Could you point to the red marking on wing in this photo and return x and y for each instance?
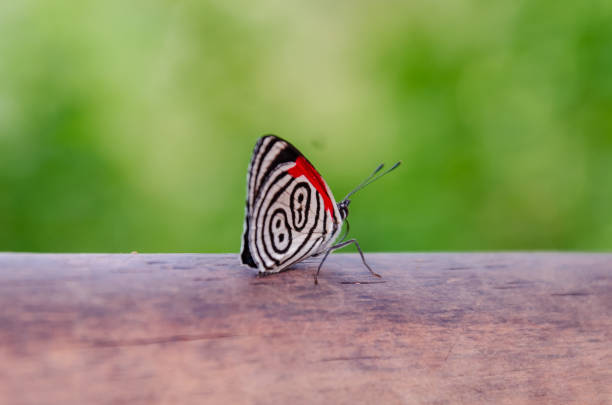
(303, 167)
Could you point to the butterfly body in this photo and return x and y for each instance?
(291, 213)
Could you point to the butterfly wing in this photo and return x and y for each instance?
(291, 213)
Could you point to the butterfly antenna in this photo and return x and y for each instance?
(363, 183)
(372, 178)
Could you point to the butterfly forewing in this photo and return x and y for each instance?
(290, 212)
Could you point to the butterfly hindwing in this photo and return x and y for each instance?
(290, 212)
(269, 152)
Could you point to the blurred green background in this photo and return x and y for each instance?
(129, 125)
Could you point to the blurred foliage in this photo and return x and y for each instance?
(129, 125)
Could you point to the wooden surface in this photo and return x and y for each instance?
(197, 329)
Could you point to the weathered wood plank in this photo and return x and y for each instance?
(194, 328)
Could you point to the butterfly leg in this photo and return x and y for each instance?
(348, 242)
(339, 246)
(345, 232)
(336, 246)
(316, 276)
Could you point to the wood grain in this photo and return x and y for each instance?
(195, 328)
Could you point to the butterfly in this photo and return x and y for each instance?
(291, 213)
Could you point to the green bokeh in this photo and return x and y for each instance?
(129, 125)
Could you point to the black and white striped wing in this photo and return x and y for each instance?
(290, 211)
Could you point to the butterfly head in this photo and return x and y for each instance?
(343, 208)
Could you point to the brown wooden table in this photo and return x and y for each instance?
(510, 328)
